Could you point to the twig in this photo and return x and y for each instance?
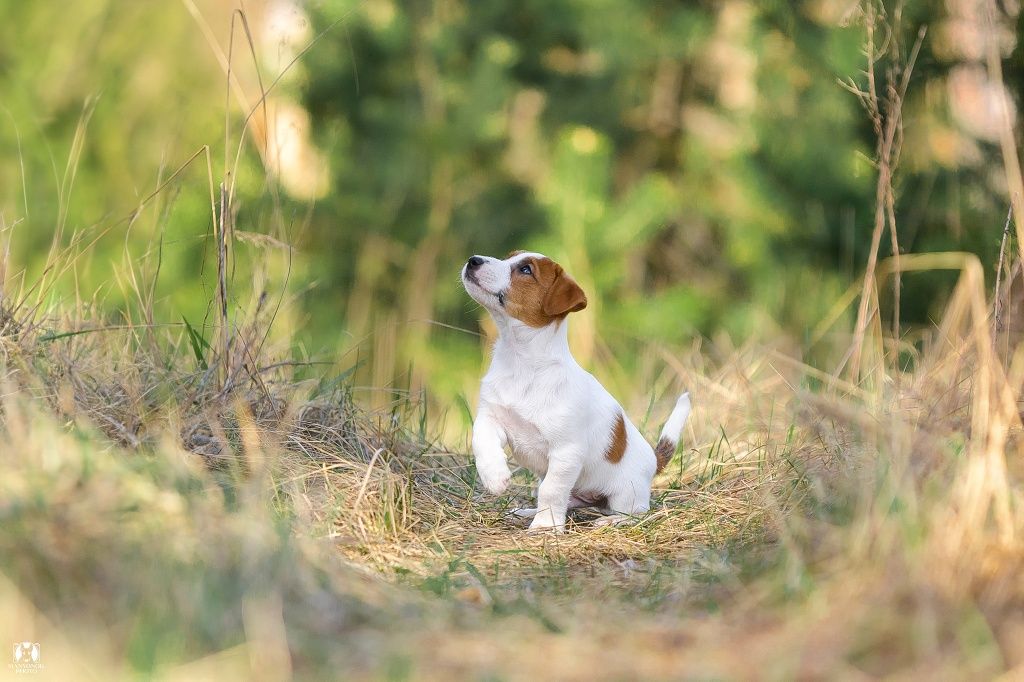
(887, 120)
(1007, 141)
(997, 306)
(222, 279)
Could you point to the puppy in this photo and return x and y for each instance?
(555, 418)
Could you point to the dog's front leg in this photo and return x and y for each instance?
(489, 441)
(553, 495)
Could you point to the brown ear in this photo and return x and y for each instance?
(513, 254)
(564, 296)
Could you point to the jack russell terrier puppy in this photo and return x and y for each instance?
(555, 418)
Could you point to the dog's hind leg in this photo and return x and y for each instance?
(624, 506)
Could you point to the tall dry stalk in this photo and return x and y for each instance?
(886, 114)
(1007, 138)
(220, 231)
(999, 295)
(1012, 171)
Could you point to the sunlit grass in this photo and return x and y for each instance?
(152, 520)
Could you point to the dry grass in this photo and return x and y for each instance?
(271, 527)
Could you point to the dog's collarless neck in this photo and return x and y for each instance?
(525, 343)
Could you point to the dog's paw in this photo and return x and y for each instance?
(495, 479)
(543, 523)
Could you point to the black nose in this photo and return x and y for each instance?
(474, 262)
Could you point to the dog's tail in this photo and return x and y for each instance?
(669, 439)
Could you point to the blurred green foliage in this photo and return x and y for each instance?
(695, 164)
(99, 103)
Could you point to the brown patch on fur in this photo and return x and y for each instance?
(613, 453)
(663, 452)
(513, 254)
(546, 295)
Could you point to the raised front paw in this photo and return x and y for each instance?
(495, 478)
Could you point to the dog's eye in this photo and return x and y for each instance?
(526, 269)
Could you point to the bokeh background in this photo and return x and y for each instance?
(697, 166)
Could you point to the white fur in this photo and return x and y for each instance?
(555, 418)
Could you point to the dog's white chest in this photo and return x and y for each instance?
(528, 444)
(532, 409)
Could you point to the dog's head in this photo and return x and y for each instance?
(528, 287)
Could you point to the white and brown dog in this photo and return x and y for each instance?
(556, 419)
